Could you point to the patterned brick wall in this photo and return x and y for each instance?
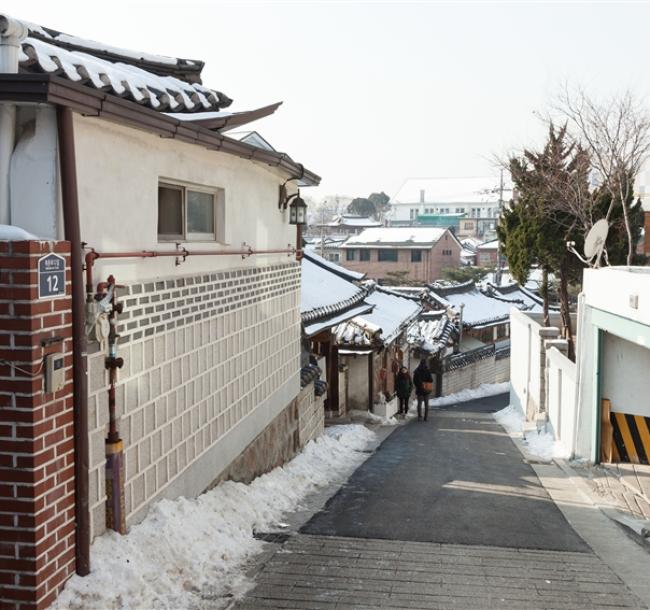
(37, 513)
(201, 354)
(311, 415)
(470, 376)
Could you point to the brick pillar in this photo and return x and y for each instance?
(37, 503)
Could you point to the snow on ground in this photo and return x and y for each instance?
(538, 443)
(484, 390)
(372, 418)
(190, 551)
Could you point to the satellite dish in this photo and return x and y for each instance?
(595, 240)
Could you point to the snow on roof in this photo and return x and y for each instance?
(162, 83)
(390, 315)
(483, 189)
(92, 45)
(520, 297)
(323, 291)
(488, 306)
(403, 236)
(124, 80)
(432, 336)
(470, 243)
(479, 308)
(313, 328)
(251, 137)
(333, 267)
(354, 221)
(493, 244)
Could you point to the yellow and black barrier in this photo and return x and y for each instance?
(631, 438)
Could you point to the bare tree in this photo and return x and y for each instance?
(616, 133)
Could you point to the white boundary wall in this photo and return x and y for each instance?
(561, 397)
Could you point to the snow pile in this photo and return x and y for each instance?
(187, 551)
(371, 418)
(538, 443)
(512, 419)
(483, 391)
(13, 233)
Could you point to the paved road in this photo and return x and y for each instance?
(490, 404)
(456, 478)
(446, 514)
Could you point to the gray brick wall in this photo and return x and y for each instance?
(468, 377)
(201, 353)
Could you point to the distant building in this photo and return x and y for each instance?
(421, 252)
(471, 205)
(343, 225)
(487, 254)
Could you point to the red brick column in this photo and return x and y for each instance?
(37, 503)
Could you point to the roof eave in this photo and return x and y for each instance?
(47, 88)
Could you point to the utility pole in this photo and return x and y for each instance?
(322, 232)
(497, 275)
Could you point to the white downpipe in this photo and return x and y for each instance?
(12, 33)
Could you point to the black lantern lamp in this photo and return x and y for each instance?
(297, 210)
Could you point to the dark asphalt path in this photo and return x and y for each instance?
(490, 404)
(457, 478)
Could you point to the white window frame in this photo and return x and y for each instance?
(219, 211)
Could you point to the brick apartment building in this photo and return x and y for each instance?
(421, 252)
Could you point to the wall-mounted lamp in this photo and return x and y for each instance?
(297, 210)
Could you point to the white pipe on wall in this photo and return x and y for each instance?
(12, 33)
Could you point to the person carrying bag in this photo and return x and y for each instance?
(403, 389)
(423, 380)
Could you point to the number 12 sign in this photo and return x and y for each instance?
(51, 276)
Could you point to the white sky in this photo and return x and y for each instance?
(378, 92)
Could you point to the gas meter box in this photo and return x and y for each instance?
(54, 373)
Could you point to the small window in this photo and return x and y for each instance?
(190, 214)
(364, 255)
(416, 256)
(349, 255)
(387, 256)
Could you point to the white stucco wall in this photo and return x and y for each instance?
(623, 295)
(33, 180)
(561, 393)
(611, 289)
(118, 172)
(524, 361)
(357, 382)
(625, 371)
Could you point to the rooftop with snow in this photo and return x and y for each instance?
(396, 236)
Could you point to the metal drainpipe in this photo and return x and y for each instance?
(12, 33)
(72, 231)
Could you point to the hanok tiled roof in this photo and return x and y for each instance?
(162, 83)
(391, 315)
(433, 336)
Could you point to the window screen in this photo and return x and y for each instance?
(170, 211)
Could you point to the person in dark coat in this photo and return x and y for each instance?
(403, 389)
(423, 381)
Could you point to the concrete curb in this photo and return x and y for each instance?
(625, 557)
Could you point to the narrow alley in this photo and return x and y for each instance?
(446, 514)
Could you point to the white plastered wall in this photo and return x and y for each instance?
(118, 171)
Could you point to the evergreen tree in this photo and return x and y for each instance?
(553, 187)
